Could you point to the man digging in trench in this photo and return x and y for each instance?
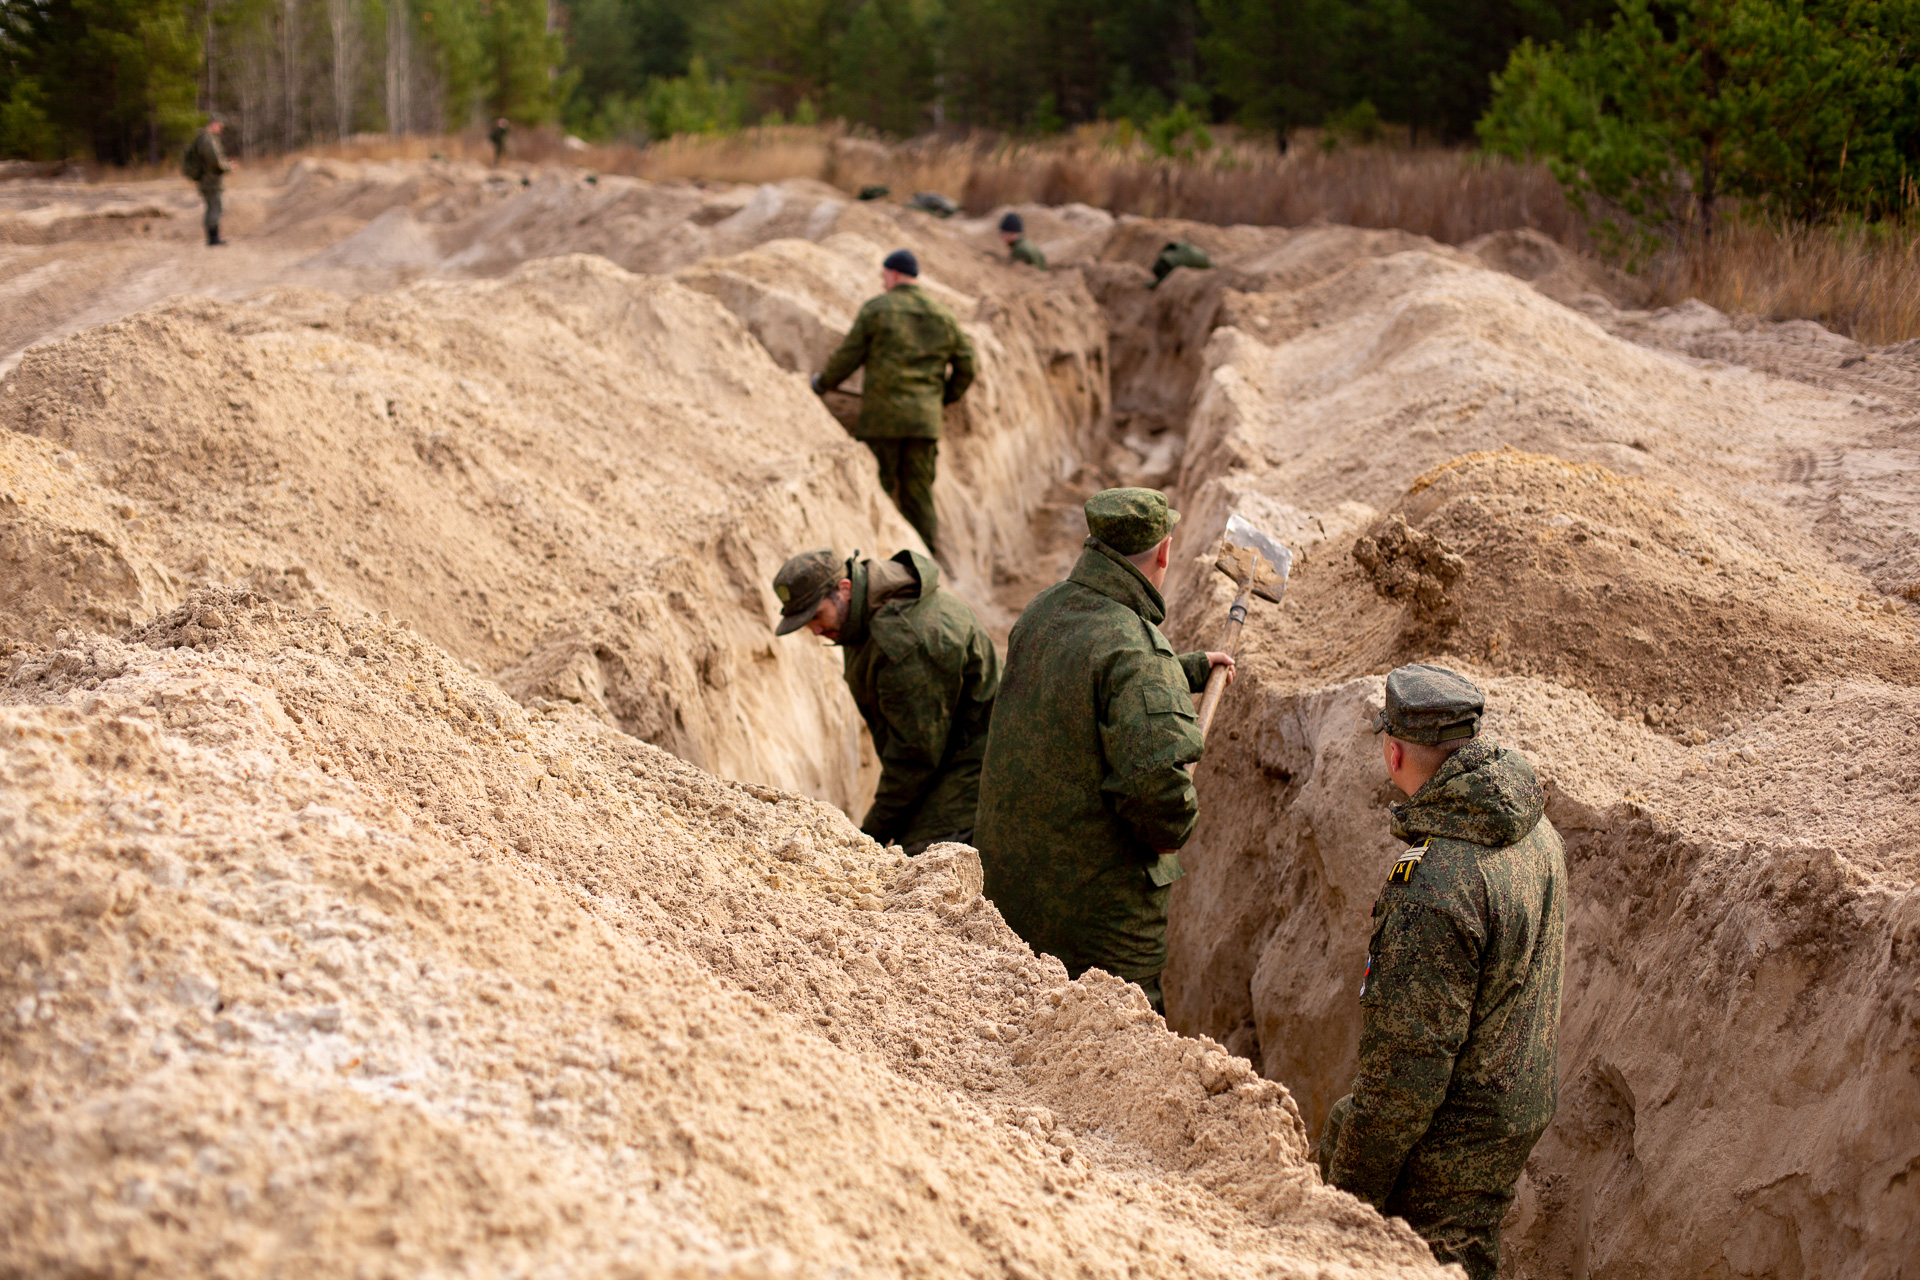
(923, 673)
(918, 360)
(1460, 1005)
(1087, 792)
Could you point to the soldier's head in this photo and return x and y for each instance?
(215, 125)
(901, 267)
(1138, 524)
(814, 592)
(1430, 713)
(1012, 228)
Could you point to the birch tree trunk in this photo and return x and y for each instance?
(290, 70)
(399, 69)
(343, 17)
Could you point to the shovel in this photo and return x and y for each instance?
(1258, 566)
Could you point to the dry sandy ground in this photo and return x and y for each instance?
(353, 924)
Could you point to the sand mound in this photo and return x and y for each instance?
(579, 477)
(1653, 601)
(1600, 533)
(333, 959)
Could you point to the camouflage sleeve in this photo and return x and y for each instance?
(850, 355)
(1150, 735)
(962, 360)
(1423, 971)
(1197, 669)
(918, 708)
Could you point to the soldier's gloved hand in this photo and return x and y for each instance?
(817, 388)
(947, 393)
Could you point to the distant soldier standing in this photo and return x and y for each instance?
(1460, 1005)
(498, 137)
(917, 359)
(923, 673)
(206, 166)
(1087, 789)
(1013, 234)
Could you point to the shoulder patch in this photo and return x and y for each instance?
(1409, 863)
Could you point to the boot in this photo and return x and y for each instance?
(213, 236)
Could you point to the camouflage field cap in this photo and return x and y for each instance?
(1130, 520)
(1430, 705)
(802, 583)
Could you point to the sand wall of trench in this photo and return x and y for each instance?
(574, 478)
(1741, 971)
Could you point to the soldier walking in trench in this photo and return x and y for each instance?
(1087, 788)
(1460, 1004)
(917, 360)
(924, 674)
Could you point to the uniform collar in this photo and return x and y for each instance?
(1105, 570)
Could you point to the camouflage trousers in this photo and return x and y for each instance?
(211, 219)
(1453, 1194)
(906, 473)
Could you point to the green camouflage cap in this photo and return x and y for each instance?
(802, 583)
(1130, 520)
(1430, 705)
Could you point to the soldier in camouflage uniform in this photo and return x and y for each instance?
(1178, 253)
(1087, 790)
(923, 673)
(498, 137)
(1013, 234)
(917, 359)
(206, 166)
(1460, 1005)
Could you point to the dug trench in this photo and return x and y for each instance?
(340, 941)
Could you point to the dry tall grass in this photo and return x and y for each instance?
(1860, 281)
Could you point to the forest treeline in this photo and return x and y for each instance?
(1651, 110)
(128, 80)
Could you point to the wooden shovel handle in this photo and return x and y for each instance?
(1217, 678)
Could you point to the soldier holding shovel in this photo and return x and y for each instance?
(1086, 792)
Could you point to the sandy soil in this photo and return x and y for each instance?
(385, 600)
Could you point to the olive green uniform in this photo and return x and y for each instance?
(498, 137)
(924, 674)
(1025, 250)
(1460, 1009)
(206, 165)
(1176, 254)
(1086, 776)
(917, 359)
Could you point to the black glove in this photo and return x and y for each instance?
(947, 394)
(817, 388)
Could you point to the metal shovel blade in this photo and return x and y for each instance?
(1279, 560)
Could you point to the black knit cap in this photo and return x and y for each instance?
(903, 261)
(1013, 223)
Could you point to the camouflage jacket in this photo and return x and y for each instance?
(924, 674)
(205, 162)
(1086, 773)
(906, 340)
(1460, 1009)
(1025, 250)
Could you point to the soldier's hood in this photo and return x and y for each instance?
(1485, 794)
(874, 583)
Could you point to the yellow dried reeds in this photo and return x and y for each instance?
(1857, 280)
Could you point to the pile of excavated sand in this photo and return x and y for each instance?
(793, 260)
(577, 478)
(320, 955)
(1611, 540)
